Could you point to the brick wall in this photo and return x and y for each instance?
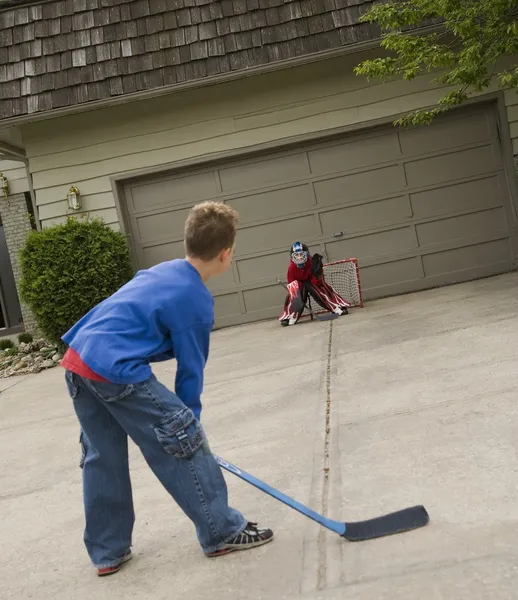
(17, 224)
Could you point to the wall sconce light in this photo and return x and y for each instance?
(4, 185)
(74, 198)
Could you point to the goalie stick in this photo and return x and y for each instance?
(357, 531)
(328, 317)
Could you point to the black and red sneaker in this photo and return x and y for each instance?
(103, 571)
(250, 537)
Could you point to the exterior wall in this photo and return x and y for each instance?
(16, 227)
(511, 102)
(16, 175)
(85, 150)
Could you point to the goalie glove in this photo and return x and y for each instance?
(317, 266)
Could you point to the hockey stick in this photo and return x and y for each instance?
(328, 317)
(358, 531)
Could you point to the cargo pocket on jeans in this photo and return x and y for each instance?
(180, 433)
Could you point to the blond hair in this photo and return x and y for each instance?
(210, 228)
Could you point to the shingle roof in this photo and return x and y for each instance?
(61, 53)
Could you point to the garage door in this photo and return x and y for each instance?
(419, 208)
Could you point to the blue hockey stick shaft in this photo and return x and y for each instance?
(335, 526)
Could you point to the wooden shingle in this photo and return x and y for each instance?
(125, 14)
(158, 7)
(216, 11)
(195, 15)
(116, 86)
(216, 47)
(207, 31)
(234, 24)
(169, 75)
(65, 52)
(152, 44)
(6, 19)
(139, 9)
(191, 34)
(205, 14)
(170, 20)
(183, 17)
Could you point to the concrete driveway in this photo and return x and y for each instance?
(410, 400)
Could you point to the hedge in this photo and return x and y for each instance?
(68, 269)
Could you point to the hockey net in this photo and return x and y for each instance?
(344, 277)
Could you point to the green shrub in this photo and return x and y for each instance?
(67, 269)
(25, 338)
(6, 343)
(11, 351)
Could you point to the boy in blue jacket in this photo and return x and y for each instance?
(163, 312)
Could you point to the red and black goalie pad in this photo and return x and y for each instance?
(294, 303)
(325, 295)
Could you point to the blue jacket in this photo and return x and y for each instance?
(164, 312)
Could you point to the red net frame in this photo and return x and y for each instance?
(344, 277)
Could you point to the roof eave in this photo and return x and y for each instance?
(11, 152)
(189, 85)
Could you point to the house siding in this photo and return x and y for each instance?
(16, 176)
(86, 150)
(511, 102)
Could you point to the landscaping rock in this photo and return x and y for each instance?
(31, 358)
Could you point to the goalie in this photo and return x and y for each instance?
(306, 278)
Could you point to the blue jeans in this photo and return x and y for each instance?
(175, 447)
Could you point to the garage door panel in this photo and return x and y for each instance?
(264, 297)
(275, 235)
(226, 305)
(354, 154)
(174, 191)
(360, 186)
(274, 203)
(468, 257)
(163, 225)
(375, 244)
(256, 269)
(445, 135)
(257, 174)
(221, 281)
(391, 273)
(471, 195)
(450, 167)
(479, 225)
(366, 216)
(152, 255)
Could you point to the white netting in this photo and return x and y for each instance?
(343, 276)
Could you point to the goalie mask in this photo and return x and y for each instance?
(299, 254)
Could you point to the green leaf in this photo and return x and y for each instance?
(472, 37)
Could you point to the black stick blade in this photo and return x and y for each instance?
(396, 522)
(327, 317)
